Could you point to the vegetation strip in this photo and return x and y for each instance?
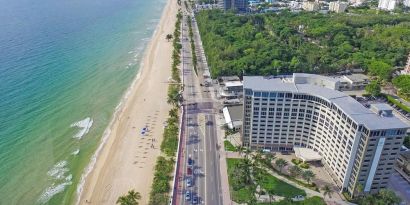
(191, 37)
(269, 44)
(160, 189)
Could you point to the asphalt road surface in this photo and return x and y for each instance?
(200, 142)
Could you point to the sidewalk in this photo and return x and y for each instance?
(226, 195)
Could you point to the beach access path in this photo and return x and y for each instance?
(127, 159)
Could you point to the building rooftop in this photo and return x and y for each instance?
(406, 155)
(233, 83)
(350, 106)
(356, 78)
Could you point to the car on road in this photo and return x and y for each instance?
(188, 182)
(195, 199)
(188, 195)
(189, 171)
(190, 161)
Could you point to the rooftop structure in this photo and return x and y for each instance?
(358, 145)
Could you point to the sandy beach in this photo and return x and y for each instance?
(127, 159)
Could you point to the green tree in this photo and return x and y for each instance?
(280, 163)
(130, 199)
(389, 197)
(380, 69)
(168, 37)
(373, 88)
(308, 175)
(327, 191)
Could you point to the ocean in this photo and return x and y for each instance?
(64, 68)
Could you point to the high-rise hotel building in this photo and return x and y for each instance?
(357, 144)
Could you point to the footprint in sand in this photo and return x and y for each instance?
(135, 162)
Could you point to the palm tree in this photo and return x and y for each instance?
(280, 163)
(308, 175)
(168, 37)
(359, 189)
(327, 191)
(295, 171)
(130, 199)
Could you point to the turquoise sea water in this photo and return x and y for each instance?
(64, 67)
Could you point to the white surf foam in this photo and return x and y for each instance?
(58, 170)
(84, 126)
(60, 181)
(75, 152)
(52, 190)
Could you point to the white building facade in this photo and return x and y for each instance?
(303, 110)
(387, 5)
(337, 6)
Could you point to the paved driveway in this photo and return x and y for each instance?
(400, 186)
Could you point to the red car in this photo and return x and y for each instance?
(189, 171)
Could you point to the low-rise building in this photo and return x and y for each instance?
(310, 6)
(337, 6)
(233, 116)
(403, 165)
(231, 89)
(355, 81)
(387, 5)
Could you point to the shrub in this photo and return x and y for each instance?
(304, 165)
(296, 161)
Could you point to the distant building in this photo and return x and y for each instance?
(406, 3)
(237, 5)
(357, 2)
(310, 6)
(357, 145)
(387, 5)
(337, 6)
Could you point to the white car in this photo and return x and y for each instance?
(188, 182)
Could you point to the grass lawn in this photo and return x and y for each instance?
(279, 187)
(242, 195)
(229, 146)
(309, 201)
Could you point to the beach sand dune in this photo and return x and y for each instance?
(127, 160)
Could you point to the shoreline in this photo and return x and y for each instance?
(102, 174)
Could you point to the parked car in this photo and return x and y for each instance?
(195, 199)
(188, 195)
(189, 171)
(188, 182)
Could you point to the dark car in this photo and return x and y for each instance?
(189, 171)
(190, 161)
(195, 199)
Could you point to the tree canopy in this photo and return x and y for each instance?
(266, 44)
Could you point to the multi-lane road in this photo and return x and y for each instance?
(199, 136)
